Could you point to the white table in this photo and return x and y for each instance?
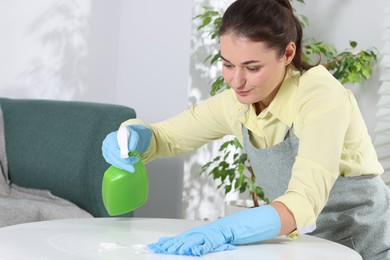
(126, 238)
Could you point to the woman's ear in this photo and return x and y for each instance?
(289, 53)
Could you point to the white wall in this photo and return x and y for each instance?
(43, 48)
(153, 72)
(134, 53)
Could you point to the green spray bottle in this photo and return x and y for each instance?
(124, 191)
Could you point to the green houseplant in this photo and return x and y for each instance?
(231, 165)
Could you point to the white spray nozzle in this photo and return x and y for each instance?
(123, 141)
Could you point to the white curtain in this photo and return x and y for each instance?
(382, 141)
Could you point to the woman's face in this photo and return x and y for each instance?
(253, 70)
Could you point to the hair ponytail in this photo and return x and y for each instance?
(297, 61)
(285, 3)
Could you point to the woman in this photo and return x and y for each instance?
(303, 133)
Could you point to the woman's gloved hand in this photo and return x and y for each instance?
(138, 139)
(247, 226)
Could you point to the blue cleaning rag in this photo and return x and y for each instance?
(193, 251)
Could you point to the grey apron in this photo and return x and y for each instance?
(357, 213)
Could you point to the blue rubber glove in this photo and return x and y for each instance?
(247, 226)
(139, 140)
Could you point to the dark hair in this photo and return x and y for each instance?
(269, 21)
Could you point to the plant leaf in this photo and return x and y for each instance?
(353, 44)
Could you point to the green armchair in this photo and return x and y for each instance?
(56, 146)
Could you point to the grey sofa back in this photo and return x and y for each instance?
(56, 146)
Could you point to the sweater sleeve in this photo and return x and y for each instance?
(189, 130)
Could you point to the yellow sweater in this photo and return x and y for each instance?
(333, 138)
